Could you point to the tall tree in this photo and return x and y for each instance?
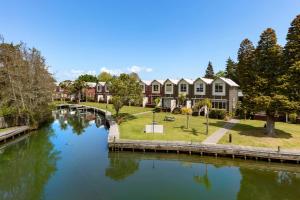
(209, 73)
(292, 47)
(290, 80)
(231, 70)
(245, 65)
(104, 77)
(135, 76)
(28, 102)
(262, 89)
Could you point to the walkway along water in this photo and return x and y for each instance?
(234, 151)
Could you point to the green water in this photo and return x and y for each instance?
(68, 159)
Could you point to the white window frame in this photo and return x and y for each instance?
(197, 85)
(186, 87)
(217, 93)
(158, 86)
(171, 87)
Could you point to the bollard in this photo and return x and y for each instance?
(278, 148)
(230, 138)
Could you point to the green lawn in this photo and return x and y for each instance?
(252, 133)
(125, 109)
(134, 128)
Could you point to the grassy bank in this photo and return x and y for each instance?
(133, 128)
(252, 133)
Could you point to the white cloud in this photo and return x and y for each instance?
(74, 73)
(138, 69)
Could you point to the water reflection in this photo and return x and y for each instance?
(69, 160)
(265, 185)
(78, 120)
(26, 168)
(121, 167)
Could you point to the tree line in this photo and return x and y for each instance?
(268, 74)
(26, 85)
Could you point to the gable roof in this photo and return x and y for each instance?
(101, 83)
(229, 82)
(90, 84)
(205, 80)
(146, 82)
(174, 81)
(189, 81)
(159, 81)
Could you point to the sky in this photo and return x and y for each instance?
(158, 39)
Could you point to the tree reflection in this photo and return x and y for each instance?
(27, 166)
(265, 185)
(121, 167)
(78, 123)
(204, 179)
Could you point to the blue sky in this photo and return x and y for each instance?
(157, 38)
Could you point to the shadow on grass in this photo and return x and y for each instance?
(190, 130)
(249, 130)
(124, 117)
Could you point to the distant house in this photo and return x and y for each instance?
(224, 94)
(156, 91)
(90, 91)
(202, 89)
(146, 91)
(102, 92)
(170, 92)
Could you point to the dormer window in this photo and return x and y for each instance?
(168, 87)
(218, 87)
(200, 87)
(183, 87)
(155, 88)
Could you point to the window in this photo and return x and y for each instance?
(168, 87)
(219, 105)
(219, 87)
(200, 87)
(155, 88)
(183, 88)
(99, 88)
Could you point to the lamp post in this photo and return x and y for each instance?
(153, 120)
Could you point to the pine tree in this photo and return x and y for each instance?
(290, 80)
(245, 65)
(231, 70)
(262, 91)
(209, 73)
(292, 47)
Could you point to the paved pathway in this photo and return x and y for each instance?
(141, 113)
(216, 136)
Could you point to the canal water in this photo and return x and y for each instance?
(68, 159)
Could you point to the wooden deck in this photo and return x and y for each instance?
(13, 133)
(216, 150)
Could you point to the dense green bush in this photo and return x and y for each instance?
(217, 114)
(293, 118)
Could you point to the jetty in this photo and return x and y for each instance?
(13, 133)
(201, 149)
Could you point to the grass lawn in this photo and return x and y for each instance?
(251, 133)
(125, 109)
(134, 128)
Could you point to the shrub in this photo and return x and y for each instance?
(217, 114)
(176, 111)
(293, 118)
